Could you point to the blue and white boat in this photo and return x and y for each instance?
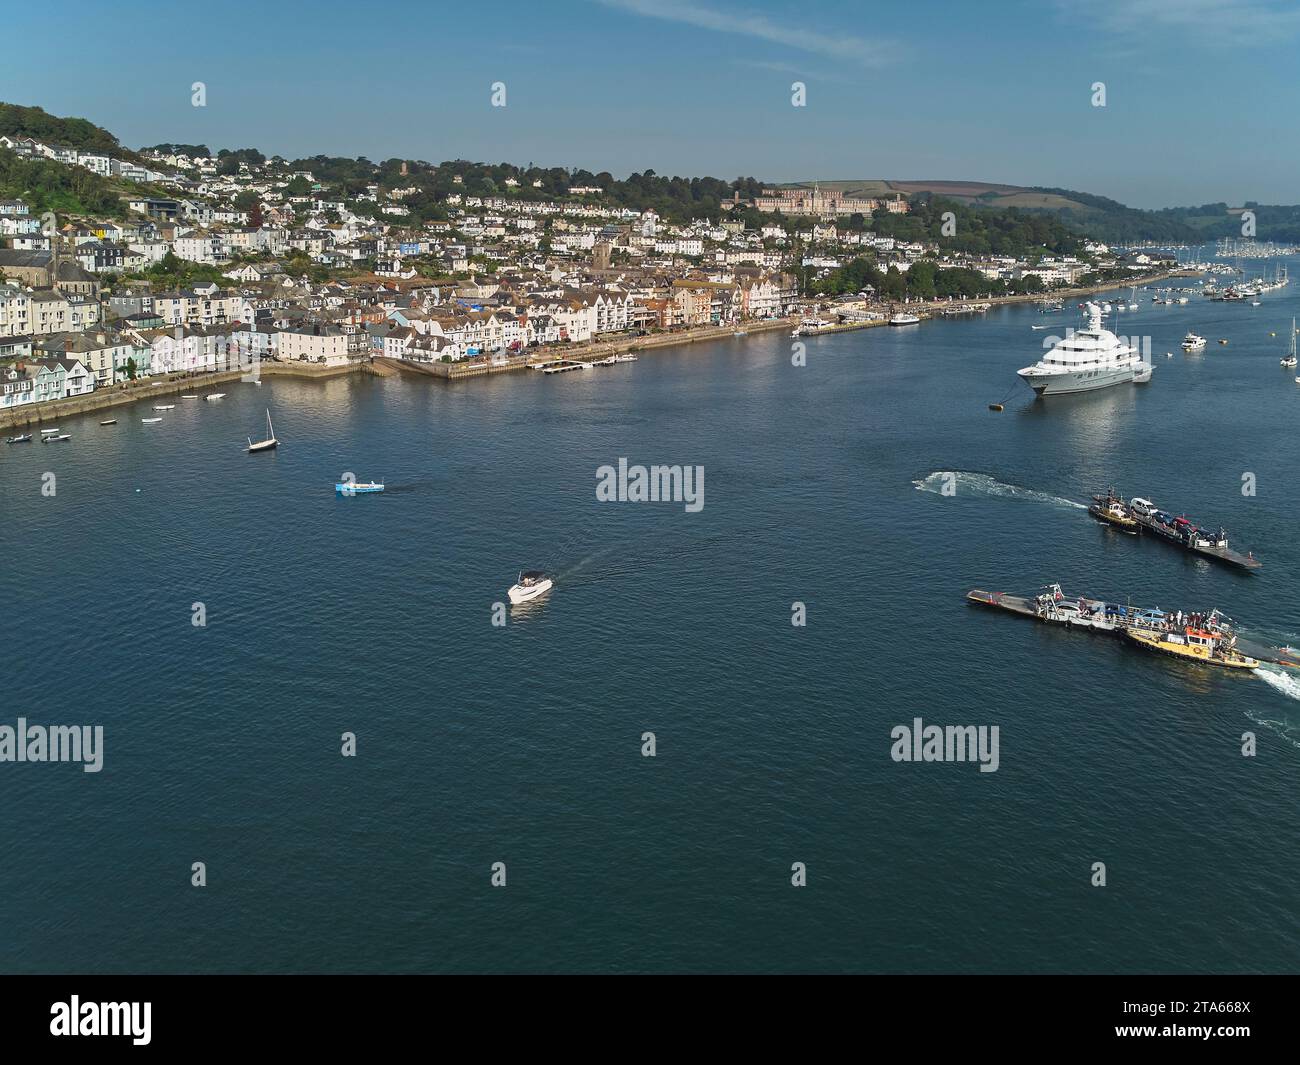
(353, 488)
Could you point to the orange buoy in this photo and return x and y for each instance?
(995, 406)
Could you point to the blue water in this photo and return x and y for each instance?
(522, 744)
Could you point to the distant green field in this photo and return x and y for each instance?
(964, 191)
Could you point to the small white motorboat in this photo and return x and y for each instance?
(50, 432)
(189, 397)
(215, 396)
(56, 439)
(164, 406)
(532, 583)
(150, 421)
(625, 357)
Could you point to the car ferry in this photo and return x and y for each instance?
(1180, 531)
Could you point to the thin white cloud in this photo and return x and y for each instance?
(759, 26)
(1213, 21)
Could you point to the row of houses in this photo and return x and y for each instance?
(96, 162)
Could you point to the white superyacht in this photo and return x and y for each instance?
(1090, 358)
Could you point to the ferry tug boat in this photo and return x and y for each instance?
(1088, 359)
(1192, 342)
(1186, 534)
(1112, 510)
(1208, 644)
(532, 583)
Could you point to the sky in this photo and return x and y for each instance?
(1200, 95)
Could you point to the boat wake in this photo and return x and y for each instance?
(1283, 682)
(616, 561)
(964, 483)
(1288, 686)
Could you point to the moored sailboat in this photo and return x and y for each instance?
(270, 442)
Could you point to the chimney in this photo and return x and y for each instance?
(67, 344)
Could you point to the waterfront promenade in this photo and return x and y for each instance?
(482, 366)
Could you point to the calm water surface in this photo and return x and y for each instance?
(521, 744)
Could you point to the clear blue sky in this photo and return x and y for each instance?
(1201, 94)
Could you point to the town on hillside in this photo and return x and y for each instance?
(221, 262)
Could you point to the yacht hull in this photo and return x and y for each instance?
(1061, 384)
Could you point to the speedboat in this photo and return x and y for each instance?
(1195, 645)
(1192, 342)
(21, 438)
(150, 421)
(215, 396)
(353, 488)
(164, 406)
(532, 583)
(109, 421)
(56, 439)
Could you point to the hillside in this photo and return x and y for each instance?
(19, 121)
(970, 192)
